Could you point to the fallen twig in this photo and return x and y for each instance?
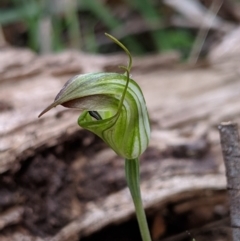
(231, 154)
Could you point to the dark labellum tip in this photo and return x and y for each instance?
(95, 115)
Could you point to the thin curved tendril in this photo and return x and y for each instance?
(126, 68)
(124, 48)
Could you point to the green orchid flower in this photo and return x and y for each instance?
(117, 102)
(113, 108)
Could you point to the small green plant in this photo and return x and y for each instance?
(114, 109)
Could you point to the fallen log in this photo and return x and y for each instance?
(70, 184)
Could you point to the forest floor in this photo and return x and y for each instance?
(59, 182)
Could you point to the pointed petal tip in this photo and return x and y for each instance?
(42, 113)
(54, 104)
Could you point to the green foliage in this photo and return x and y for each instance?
(176, 39)
(19, 12)
(78, 26)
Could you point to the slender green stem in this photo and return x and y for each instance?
(133, 180)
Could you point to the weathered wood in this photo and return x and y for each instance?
(160, 193)
(40, 156)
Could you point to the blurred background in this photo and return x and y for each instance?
(59, 182)
(144, 26)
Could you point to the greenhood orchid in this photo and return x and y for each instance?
(113, 107)
(122, 114)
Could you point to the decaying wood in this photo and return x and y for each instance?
(71, 179)
(10, 217)
(231, 153)
(159, 194)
